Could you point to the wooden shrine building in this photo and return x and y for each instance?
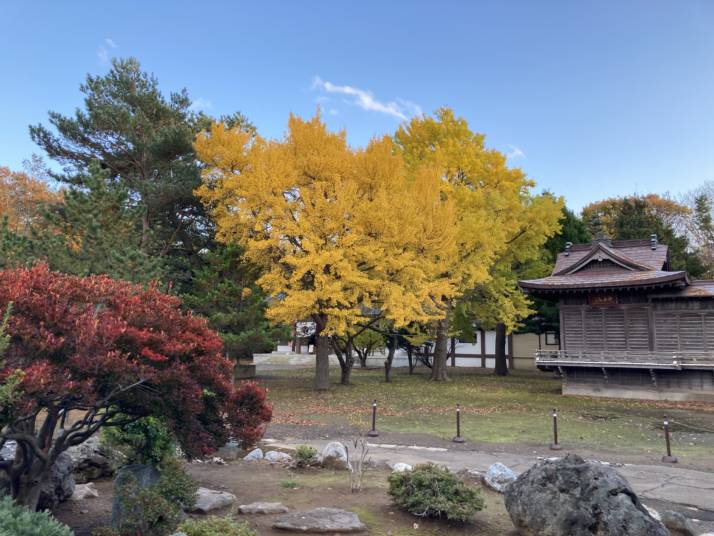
(629, 326)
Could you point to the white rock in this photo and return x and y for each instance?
(401, 467)
(208, 500)
(253, 455)
(498, 477)
(334, 456)
(275, 456)
(84, 491)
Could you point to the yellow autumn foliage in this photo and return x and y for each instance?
(339, 233)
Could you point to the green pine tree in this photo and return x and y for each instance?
(144, 140)
(226, 293)
(95, 230)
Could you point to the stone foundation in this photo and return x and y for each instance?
(647, 384)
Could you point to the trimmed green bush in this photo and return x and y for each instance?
(156, 511)
(433, 491)
(176, 485)
(17, 520)
(305, 456)
(146, 441)
(216, 526)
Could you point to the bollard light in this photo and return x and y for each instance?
(458, 438)
(668, 458)
(555, 445)
(373, 432)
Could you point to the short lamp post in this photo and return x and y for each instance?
(373, 432)
(555, 445)
(458, 438)
(668, 458)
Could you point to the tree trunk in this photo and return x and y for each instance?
(438, 369)
(322, 355)
(390, 359)
(410, 359)
(346, 358)
(25, 487)
(501, 363)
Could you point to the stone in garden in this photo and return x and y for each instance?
(91, 460)
(321, 520)
(572, 497)
(334, 456)
(263, 508)
(677, 522)
(84, 491)
(401, 467)
(208, 500)
(144, 476)
(498, 477)
(8, 450)
(275, 456)
(60, 485)
(254, 455)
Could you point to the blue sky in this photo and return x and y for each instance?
(591, 99)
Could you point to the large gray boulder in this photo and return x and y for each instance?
(320, 520)
(91, 460)
(572, 497)
(143, 476)
(60, 485)
(334, 456)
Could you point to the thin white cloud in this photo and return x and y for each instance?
(515, 152)
(399, 108)
(200, 104)
(103, 52)
(333, 111)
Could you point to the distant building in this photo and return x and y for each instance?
(629, 326)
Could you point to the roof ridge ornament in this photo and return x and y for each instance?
(653, 242)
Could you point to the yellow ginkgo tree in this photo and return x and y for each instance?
(342, 235)
(497, 217)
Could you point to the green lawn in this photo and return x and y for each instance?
(515, 409)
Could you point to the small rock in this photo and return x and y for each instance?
(275, 456)
(263, 508)
(8, 450)
(321, 520)
(498, 477)
(254, 455)
(208, 500)
(334, 456)
(84, 511)
(218, 461)
(401, 467)
(677, 522)
(84, 491)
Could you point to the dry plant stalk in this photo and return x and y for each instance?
(357, 466)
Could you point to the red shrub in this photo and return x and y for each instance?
(107, 347)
